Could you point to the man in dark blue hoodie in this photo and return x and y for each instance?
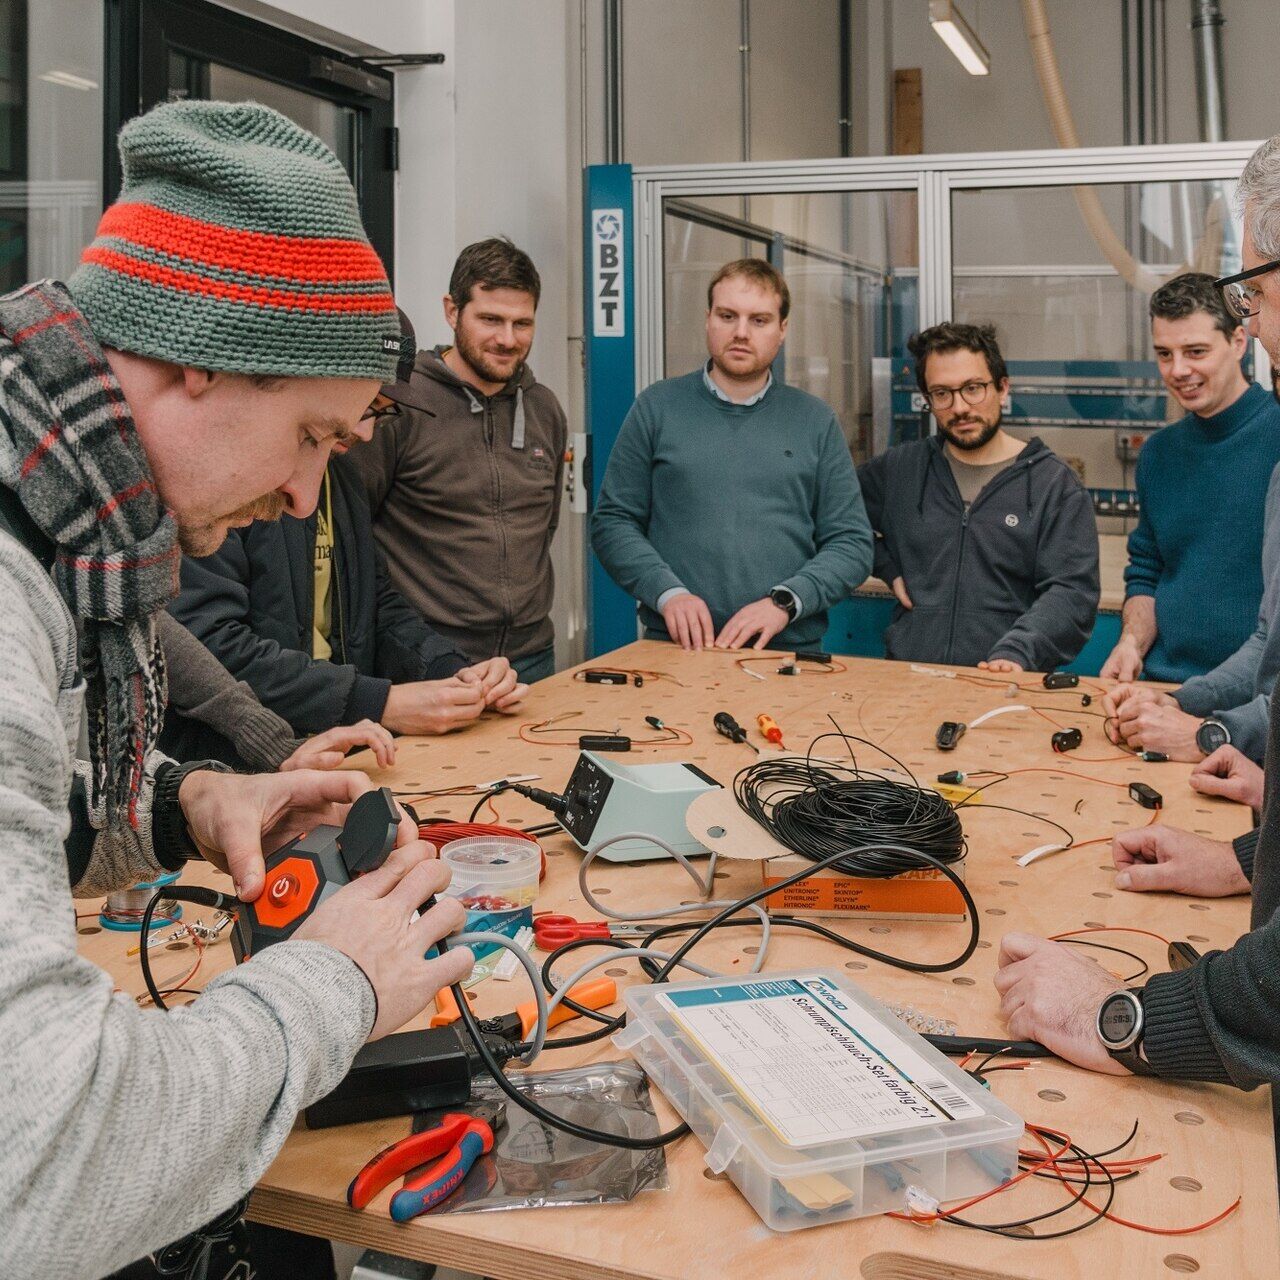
(989, 543)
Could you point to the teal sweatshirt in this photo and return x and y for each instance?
(1197, 547)
(730, 501)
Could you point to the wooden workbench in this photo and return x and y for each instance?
(1217, 1142)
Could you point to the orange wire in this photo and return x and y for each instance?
(1116, 928)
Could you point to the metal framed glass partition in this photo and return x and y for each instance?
(1060, 249)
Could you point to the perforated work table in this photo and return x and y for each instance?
(1217, 1142)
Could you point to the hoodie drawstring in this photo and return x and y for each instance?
(517, 423)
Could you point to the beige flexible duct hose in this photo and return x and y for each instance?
(1132, 272)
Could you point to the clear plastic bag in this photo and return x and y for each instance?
(535, 1166)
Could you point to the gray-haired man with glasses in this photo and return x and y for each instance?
(988, 542)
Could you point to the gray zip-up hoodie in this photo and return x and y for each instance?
(1015, 576)
(465, 503)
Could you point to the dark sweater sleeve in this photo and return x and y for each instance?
(408, 648)
(872, 476)
(840, 531)
(1216, 1021)
(1055, 628)
(310, 694)
(1146, 564)
(201, 688)
(620, 521)
(1245, 847)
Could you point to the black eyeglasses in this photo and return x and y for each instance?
(375, 415)
(972, 392)
(1242, 300)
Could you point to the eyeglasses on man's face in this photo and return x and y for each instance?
(1244, 300)
(971, 392)
(381, 410)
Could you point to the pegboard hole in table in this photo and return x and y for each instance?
(1185, 1184)
(715, 832)
(1198, 906)
(711, 1176)
(995, 911)
(752, 950)
(1181, 1262)
(1051, 1095)
(602, 893)
(616, 973)
(963, 982)
(1196, 937)
(880, 928)
(88, 928)
(1094, 924)
(1188, 1117)
(1101, 894)
(984, 946)
(1009, 884)
(178, 944)
(854, 964)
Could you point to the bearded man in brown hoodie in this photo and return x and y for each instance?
(466, 493)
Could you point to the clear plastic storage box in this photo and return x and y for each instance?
(817, 1102)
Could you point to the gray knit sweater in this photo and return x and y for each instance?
(122, 1129)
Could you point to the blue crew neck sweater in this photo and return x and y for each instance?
(731, 500)
(1197, 548)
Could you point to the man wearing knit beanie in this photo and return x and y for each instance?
(228, 326)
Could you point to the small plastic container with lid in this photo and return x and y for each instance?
(496, 879)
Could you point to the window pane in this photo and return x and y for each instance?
(1065, 273)
(333, 124)
(50, 135)
(849, 261)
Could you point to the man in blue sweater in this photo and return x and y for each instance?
(1194, 580)
(1230, 705)
(730, 508)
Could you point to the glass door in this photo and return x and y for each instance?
(193, 49)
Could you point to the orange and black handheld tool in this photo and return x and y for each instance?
(304, 872)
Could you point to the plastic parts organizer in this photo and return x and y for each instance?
(815, 1100)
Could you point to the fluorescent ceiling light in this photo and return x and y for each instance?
(959, 37)
(69, 80)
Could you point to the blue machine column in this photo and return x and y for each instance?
(609, 331)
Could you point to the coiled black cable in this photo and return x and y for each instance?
(816, 809)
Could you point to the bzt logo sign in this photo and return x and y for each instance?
(606, 273)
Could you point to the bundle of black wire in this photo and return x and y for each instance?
(817, 809)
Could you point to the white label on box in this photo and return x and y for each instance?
(811, 1065)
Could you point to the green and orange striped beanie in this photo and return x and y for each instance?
(236, 244)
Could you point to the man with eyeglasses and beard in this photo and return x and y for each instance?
(989, 543)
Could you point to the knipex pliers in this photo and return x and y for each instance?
(460, 1139)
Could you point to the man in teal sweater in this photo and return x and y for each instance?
(730, 507)
(1194, 580)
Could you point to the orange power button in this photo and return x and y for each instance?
(283, 889)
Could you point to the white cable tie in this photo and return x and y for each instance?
(1041, 851)
(510, 962)
(755, 675)
(998, 711)
(932, 671)
(506, 782)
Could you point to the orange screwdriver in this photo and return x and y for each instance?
(769, 727)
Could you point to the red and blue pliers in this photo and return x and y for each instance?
(459, 1139)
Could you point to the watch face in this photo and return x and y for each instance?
(1119, 1020)
(1210, 736)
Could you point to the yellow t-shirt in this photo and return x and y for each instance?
(321, 623)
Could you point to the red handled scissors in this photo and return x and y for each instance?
(550, 932)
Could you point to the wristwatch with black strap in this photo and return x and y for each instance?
(170, 837)
(1121, 1025)
(786, 600)
(1211, 735)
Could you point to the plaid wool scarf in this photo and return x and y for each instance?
(70, 451)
